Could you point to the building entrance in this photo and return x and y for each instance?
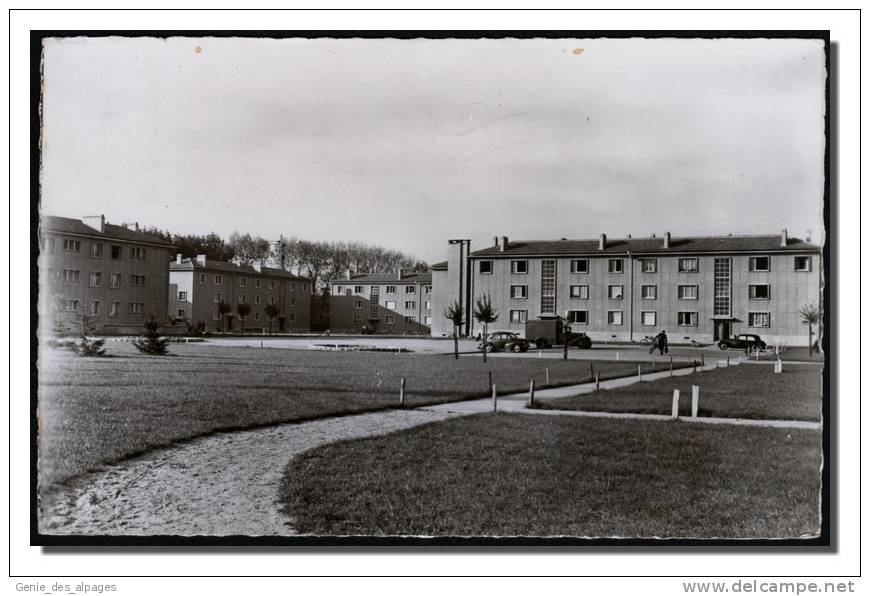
(721, 329)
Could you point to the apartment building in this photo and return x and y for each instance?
(197, 286)
(695, 288)
(383, 303)
(115, 275)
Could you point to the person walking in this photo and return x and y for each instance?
(661, 342)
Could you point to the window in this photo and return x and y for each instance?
(687, 319)
(358, 304)
(257, 299)
(137, 281)
(687, 265)
(202, 278)
(648, 292)
(410, 319)
(272, 300)
(759, 292)
(579, 265)
(519, 291)
(427, 305)
(759, 263)
(293, 287)
(391, 289)
(548, 287)
(614, 292)
(114, 280)
(427, 289)
(256, 283)
(801, 263)
(70, 304)
(180, 313)
(218, 280)
(292, 301)
(95, 279)
(410, 304)
(95, 307)
(391, 304)
(339, 290)
(72, 245)
(257, 316)
(182, 295)
(648, 265)
(291, 317)
(243, 298)
(137, 308)
(217, 297)
(271, 284)
(116, 252)
(579, 317)
(648, 318)
(427, 321)
(114, 309)
(71, 275)
(357, 318)
(759, 319)
(581, 292)
(614, 265)
(391, 319)
(519, 266)
(518, 316)
(614, 317)
(721, 286)
(243, 282)
(410, 289)
(687, 292)
(137, 253)
(485, 268)
(96, 250)
(359, 290)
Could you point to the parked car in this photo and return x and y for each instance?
(743, 341)
(546, 333)
(504, 340)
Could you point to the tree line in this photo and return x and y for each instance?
(317, 261)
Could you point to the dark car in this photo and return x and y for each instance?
(580, 340)
(504, 340)
(743, 341)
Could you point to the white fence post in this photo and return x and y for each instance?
(494, 399)
(696, 396)
(531, 393)
(402, 393)
(675, 406)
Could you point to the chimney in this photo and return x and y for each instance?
(602, 242)
(399, 275)
(347, 274)
(667, 243)
(783, 242)
(178, 258)
(200, 260)
(495, 241)
(504, 243)
(97, 222)
(258, 266)
(136, 225)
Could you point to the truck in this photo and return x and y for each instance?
(545, 333)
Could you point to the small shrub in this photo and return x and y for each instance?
(152, 343)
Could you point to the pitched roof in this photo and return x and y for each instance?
(212, 265)
(383, 278)
(640, 246)
(67, 225)
(442, 266)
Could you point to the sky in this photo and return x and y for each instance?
(409, 143)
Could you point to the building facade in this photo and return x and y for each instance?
(696, 289)
(381, 303)
(114, 275)
(197, 286)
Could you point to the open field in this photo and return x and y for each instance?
(98, 411)
(747, 391)
(515, 474)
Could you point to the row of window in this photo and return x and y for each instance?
(339, 290)
(243, 298)
(391, 304)
(684, 265)
(647, 292)
(134, 308)
(391, 319)
(647, 318)
(95, 279)
(95, 249)
(182, 313)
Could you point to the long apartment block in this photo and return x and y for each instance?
(381, 303)
(695, 288)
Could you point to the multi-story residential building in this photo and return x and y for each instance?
(384, 303)
(695, 288)
(117, 276)
(198, 285)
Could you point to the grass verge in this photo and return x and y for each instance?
(525, 475)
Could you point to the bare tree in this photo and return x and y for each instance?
(485, 313)
(271, 311)
(244, 309)
(223, 308)
(455, 313)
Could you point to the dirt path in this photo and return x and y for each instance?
(220, 485)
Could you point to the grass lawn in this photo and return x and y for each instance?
(520, 474)
(746, 391)
(99, 410)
